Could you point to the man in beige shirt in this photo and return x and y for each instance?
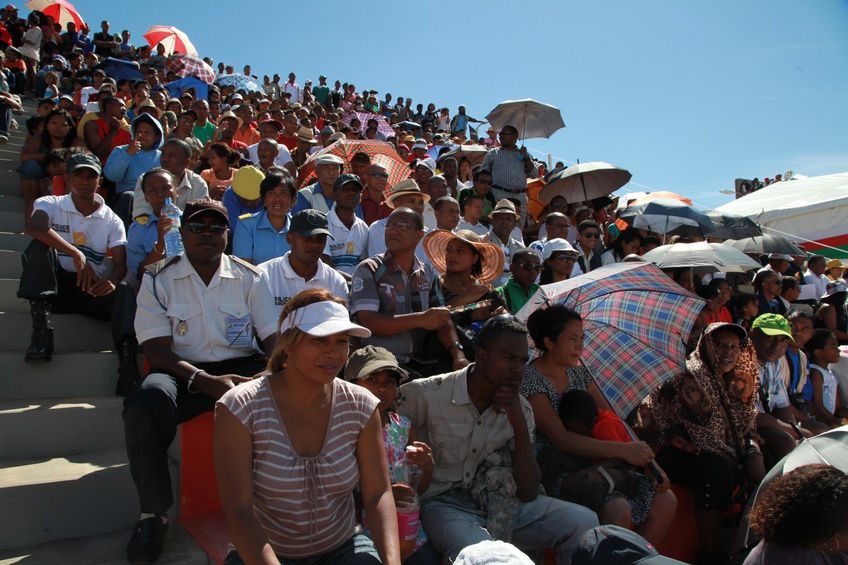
(468, 415)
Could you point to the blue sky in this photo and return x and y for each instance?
(686, 95)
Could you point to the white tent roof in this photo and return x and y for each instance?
(813, 207)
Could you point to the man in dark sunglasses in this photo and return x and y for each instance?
(589, 245)
(482, 186)
(521, 285)
(199, 318)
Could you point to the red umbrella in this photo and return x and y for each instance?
(381, 153)
(190, 66)
(174, 40)
(62, 11)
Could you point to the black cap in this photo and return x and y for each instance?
(84, 160)
(614, 545)
(346, 178)
(203, 206)
(309, 223)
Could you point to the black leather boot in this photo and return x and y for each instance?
(40, 349)
(128, 373)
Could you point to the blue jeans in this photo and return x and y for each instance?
(542, 523)
(358, 550)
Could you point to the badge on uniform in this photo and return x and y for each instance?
(182, 328)
(239, 332)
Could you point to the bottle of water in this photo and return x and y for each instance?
(173, 239)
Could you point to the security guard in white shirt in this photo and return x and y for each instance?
(198, 318)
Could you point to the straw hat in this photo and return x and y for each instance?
(504, 206)
(435, 246)
(228, 115)
(306, 135)
(406, 186)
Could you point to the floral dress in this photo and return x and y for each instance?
(560, 478)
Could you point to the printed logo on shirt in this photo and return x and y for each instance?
(61, 228)
(79, 238)
(357, 285)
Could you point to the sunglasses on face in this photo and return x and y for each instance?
(198, 227)
(565, 258)
(383, 176)
(530, 267)
(592, 235)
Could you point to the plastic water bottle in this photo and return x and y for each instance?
(173, 239)
(408, 512)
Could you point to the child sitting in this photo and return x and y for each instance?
(822, 350)
(376, 369)
(594, 483)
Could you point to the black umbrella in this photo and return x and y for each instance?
(767, 243)
(731, 226)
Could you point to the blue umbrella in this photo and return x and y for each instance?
(240, 82)
(120, 69)
(177, 87)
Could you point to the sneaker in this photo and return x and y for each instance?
(4, 138)
(147, 540)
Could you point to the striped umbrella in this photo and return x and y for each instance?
(635, 319)
(381, 153)
(190, 66)
(62, 11)
(174, 40)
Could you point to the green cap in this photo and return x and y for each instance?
(371, 359)
(773, 324)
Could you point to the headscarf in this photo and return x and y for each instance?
(716, 411)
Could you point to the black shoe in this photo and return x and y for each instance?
(40, 349)
(147, 541)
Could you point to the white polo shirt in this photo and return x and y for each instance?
(347, 247)
(284, 283)
(94, 235)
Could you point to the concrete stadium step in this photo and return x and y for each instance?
(106, 549)
(49, 499)
(32, 428)
(69, 375)
(73, 333)
(11, 222)
(9, 302)
(11, 204)
(10, 264)
(10, 241)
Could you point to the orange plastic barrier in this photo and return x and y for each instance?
(200, 506)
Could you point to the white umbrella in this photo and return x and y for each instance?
(584, 181)
(530, 118)
(711, 256)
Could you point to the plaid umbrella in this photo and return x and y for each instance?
(635, 319)
(240, 82)
(174, 40)
(382, 125)
(381, 153)
(190, 66)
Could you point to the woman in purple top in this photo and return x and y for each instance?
(292, 446)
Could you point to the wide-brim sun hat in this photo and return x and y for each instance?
(406, 186)
(321, 319)
(435, 246)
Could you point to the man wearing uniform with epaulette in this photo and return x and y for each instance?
(198, 319)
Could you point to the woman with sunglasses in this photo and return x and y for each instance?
(559, 262)
(627, 243)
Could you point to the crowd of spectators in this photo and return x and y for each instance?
(293, 260)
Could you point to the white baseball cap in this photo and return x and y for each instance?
(321, 319)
